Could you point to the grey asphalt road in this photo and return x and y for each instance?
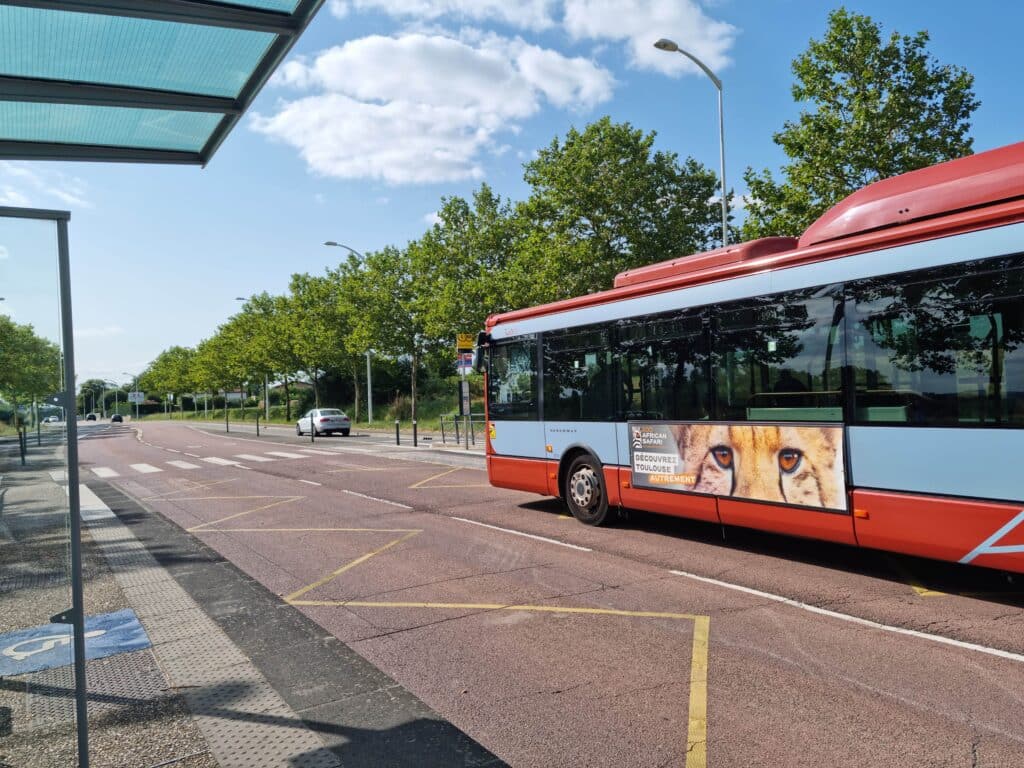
(654, 642)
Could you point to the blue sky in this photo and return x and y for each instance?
(385, 106)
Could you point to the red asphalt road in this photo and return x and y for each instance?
(574, 673)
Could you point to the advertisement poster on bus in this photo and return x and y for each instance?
(801, 465)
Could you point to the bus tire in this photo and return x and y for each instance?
(584, 491)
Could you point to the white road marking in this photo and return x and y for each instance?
(219, 461)
(172, 450)
(521, 533)
(193, 446)
(145, 468)
(183, 465)
(105, 472)
(251, 457)
(308, 482)
(286, 455)
(193, 455)
(58, 476)
(374, 498)
(90, 506)
(314, 450)
(856, 619)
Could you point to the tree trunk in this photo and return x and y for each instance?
(316, 388)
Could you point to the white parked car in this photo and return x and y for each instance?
(324, 421)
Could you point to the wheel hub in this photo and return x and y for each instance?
(583, 488)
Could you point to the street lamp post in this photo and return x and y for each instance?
(668, 45)
(369, 383)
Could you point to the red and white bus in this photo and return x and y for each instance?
(862, 384)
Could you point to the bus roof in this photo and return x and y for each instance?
(986, 189)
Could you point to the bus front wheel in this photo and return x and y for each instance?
(584, 491)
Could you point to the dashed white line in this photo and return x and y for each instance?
(374, 498)
(105, 472)
(286, 455)
(183, 465)
(314, 450)
(172, 450)
(145, 469)
(855, 619)
(521, 533)
(251, 457)
(309, 482)
(219, 461)
(193, 455)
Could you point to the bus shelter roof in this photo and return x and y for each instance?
(136, 80)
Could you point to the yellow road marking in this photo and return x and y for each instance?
(502, 607)
(913, 582)
(435, 477)
(280, 500)
(347, 566)
(697, 733)
(189, 489)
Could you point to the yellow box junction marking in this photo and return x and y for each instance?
(423, 483)
(280, 500)
(696, 737)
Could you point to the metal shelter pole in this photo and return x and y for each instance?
(74, 503)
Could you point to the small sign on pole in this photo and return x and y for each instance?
(464, 342)
(136, 397)
(464, 404)
(464, 362)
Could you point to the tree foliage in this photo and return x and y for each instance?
(875, 107)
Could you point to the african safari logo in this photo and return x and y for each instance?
(800, 465)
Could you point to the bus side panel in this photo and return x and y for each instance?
(938, 461)
(696, 506)
(792, 521)
(518, 474)
(612, 477)
(980, 533)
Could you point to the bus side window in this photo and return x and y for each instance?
(512, 380)
(943, 346)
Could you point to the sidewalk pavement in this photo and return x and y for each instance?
(233, 676)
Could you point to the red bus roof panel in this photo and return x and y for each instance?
(956, 185)
(731, 254)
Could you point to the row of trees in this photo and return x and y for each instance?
(601, 200)
(30, 366)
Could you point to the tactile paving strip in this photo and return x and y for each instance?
(244, 720)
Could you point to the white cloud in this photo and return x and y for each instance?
(430, 219)
(641, 22)
(98, 333)
(525, 14)
(24, 185)
(4, 253)
(421, 108)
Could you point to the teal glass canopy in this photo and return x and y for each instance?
(136, 80)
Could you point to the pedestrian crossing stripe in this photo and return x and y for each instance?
(318, 453)
(145, 469)
(220, 461)
(105, 472)
(251, 457)
(286, 455)
(183, 465)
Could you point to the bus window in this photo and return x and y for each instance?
(512, 380)
(779, 358)
(940, 346)
(664, 367)
(578, 376)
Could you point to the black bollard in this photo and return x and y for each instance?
(257, 424)
(227, 425)
(414, 443)
(398, 436)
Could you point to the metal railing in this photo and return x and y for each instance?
(463, 429)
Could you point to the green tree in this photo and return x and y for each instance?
(603, 201)
(877, 108)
